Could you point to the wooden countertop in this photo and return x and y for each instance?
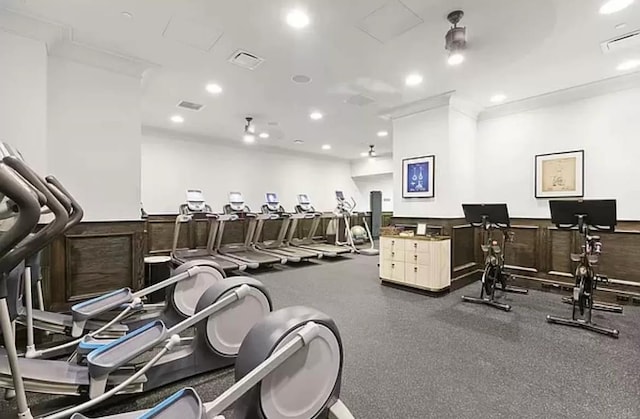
(423, 238)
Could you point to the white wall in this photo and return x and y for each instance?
(423, 134)
(23, 97)
(94, 138)
(372, 166)
(608, 129)
(383, 183)
(170, 167)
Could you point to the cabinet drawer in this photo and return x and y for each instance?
(392, 270)
(417, 246)
(418, 258)
(393, 254)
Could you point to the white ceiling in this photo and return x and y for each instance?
(522, 48)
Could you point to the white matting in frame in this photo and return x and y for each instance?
(560, 175)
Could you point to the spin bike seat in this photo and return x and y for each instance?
(593, 259)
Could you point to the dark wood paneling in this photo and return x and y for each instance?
(619, 259)
(522, 252)
(93, 258)
(160, 235)
(89, 274)
(559, 248)
(463, 246)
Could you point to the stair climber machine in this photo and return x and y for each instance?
(346, 209)
(109, 315)
(272, 210)
(585, 216)
(194, 210)
(245, 251)
(289, 366)
(492, 217)
(308, 242)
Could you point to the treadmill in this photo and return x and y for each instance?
(328, 250)
(272, 210)
(244, 252)
(197, 209)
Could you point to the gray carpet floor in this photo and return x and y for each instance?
(412, 356)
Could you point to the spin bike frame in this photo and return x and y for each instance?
(586, 281)
(494, 268)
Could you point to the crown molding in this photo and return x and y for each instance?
(418, 106)
(59, 41)
(167, 134)
(571, 94)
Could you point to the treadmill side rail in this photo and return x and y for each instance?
(89, 309)
(112, 356)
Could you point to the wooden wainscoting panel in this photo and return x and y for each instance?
(619, 259)
(522, 252)
(199, 233)
(560, 245)
(89, 274)
(160, 235)
(463, 246)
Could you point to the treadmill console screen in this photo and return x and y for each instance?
(272, 198)
(195, 195)
(235, 197)
(339, 196)
(303, 199)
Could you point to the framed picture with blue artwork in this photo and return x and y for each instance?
(417, 177)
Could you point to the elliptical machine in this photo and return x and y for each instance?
(492, 217)
(346, 209)
(289, 366)
(585, 215)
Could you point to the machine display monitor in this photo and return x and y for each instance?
(303, 199)
(272, 198)
(195, 195)
(340, 195)
(235, 197)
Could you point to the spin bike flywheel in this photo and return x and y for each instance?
(491, 275)
(582, 298)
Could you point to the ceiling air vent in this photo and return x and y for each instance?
(190, 105)
(626, 41)
(359, 100)
(245, 59)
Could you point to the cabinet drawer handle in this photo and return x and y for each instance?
(415, 269)
(393, 242)
(415, 257)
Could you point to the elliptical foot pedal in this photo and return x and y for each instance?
(184, 404)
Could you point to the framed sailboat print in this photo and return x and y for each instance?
(418, 177)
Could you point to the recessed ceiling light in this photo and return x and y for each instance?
(613, 6)
(629, 65)
(413, 80)
(383, 133)
(497, 98)
(127, 15)
(264, 135)
(455, 59)
(301, 79)
(214, 88)
(249, 138)
(177, 119)
(364, 154)
(297, 19)
(315, 115)
(326, 147)
(298, 141)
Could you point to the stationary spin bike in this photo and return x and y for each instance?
(492, 217)
(585, 215)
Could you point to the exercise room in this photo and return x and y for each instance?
(305, 209)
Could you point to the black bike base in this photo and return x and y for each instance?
(584, 325)
(514, 290)
(611, 308)
(492, 303)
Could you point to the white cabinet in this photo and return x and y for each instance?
(418, 262)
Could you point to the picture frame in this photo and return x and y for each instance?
(418, 180)
(559, 175)
(421, 229)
